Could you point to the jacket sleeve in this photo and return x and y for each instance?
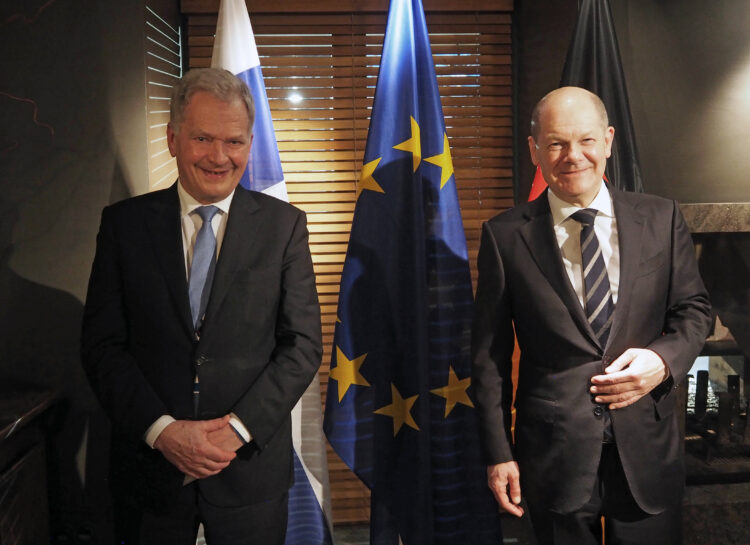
(492, 342)
(298, 351)
(688, 314)
(130, 402)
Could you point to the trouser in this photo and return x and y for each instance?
(624, 522)
(262, 523)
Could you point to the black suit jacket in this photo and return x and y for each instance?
(662, 305)
(259, 349)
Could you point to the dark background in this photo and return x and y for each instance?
(687, 65)
(81, 145)
(72, 140)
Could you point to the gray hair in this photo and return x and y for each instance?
(219, 82)
(537, 111)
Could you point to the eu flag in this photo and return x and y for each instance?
(399, 410)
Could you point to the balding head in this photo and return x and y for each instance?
(570, 143)
(566, 95)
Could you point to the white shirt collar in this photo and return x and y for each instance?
(562, 210)
(188, 203)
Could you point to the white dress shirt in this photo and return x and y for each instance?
(191, 224)
(568, 233)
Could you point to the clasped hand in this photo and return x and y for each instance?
(628, 378)
(199, 448)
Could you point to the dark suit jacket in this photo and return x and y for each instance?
(662, 305)
(259, 349)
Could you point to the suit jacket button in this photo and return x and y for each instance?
(598, 411)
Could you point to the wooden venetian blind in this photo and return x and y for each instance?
(163, 62)
(320, 71)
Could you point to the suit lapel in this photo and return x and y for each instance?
(630, 224)
(237, 247)
(539, 236)
(163, 221)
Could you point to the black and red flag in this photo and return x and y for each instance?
(593, 62)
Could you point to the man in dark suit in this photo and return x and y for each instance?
(603, 292)
(199, 360)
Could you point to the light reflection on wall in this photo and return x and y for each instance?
(687, 66)
(727, 119)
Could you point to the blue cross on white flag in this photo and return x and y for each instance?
(235, 50)
(309, 497)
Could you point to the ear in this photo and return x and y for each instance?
(609, 137)
(171, 140)
(532, 150)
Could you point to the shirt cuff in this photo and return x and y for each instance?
(240, 428)
(155, 429)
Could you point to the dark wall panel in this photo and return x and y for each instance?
(72, 140)
(688, 69)
(542, 33)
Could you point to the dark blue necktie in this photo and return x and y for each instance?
(597, 295)
(202, 266)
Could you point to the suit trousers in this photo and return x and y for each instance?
(625, 523)
(262, 523)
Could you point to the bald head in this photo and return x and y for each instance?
(571, 143)
(567, 96)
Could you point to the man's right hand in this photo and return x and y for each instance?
(185, 444)
(505, 482)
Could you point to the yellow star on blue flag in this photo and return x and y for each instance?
(413, 144)
(347, 372)
(367, 180)
(400, 410)
(444, 161)
(454, 392)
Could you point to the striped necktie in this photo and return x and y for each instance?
(597, 295)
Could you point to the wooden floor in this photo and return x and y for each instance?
(515, 532)
(351, 535)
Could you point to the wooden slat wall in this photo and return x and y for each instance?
(331, 61)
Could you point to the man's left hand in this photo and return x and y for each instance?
(628, 378)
